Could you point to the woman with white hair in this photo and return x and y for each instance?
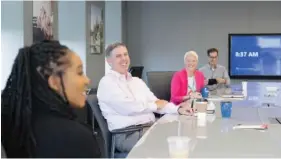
(188, 82)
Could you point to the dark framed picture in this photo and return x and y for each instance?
(96, 30)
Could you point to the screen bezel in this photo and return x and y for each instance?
(274, 77)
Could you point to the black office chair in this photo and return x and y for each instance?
(136, 71)
(108, 137)
(159, 83)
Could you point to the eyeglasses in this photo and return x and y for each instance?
(213, 57)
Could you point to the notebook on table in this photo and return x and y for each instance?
(233, 95)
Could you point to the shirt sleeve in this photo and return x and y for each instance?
(149, 95)
(170, 108)
(226, 77)
(176, 96)
(110, 94)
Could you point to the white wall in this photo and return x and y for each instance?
(159, 33)
(12, 36)
(114, 11)
(72, 27)
(73, 18)
(113, 32)
(16, 32)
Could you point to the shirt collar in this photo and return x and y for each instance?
(211, 68)
(121, 76)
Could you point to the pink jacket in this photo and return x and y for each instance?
(180, 82)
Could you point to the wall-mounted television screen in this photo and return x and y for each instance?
(255, 56)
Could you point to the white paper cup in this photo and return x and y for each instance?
(201, 119)
(201, 133)
(178, 146)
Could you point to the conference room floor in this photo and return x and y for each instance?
(218, 139)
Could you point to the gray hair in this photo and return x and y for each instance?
(192, 53)
(111, 47)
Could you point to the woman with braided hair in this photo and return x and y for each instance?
(46, 83)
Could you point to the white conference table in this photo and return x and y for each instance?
(219, 140)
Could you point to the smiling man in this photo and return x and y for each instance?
(125, 100)
(216, 76)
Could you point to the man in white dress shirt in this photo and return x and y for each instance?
(125, 100)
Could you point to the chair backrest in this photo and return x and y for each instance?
(136, 71)
(102, 124)
(159, 83)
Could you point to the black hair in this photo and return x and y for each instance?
(212, 50)
(27, 91)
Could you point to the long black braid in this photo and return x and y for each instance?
(27, 91)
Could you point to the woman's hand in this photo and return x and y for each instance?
(185, 98)
(195, 95)
(185, 108)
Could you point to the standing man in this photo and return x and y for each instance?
(216, 76)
